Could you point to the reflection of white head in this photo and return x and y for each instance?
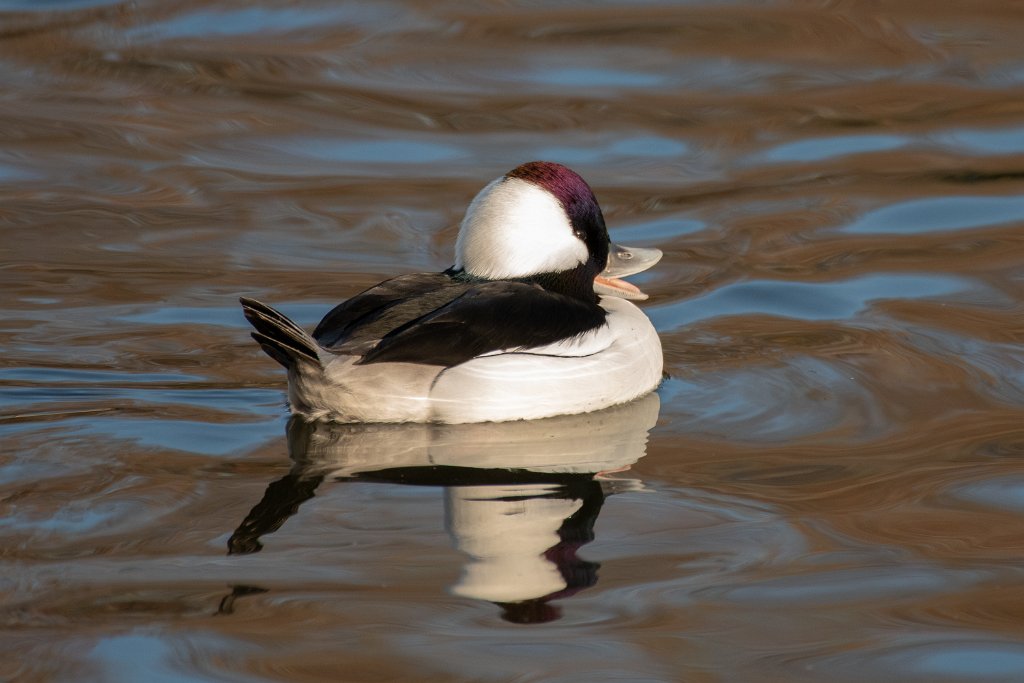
(505, 530)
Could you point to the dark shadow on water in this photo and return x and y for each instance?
(521, 498)
(281, 500)
(227, 603)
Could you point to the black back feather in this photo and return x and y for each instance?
(434, 319)
(361, 312)
(485, 317)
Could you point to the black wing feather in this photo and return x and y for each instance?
(278, 335)
(485, 317)
(361, 313)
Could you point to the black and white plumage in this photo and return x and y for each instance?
(530, 322)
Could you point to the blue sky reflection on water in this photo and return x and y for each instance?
(939, 214)
(154, 656)
(997, 141)
(579, 77)
(806, 300)
(651, 147)
(373, 151)
(204, 438)
(951, 656)
(820, 149)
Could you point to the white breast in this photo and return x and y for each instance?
(614, 364)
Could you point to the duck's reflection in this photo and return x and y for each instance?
(521, 541)
(520, 498)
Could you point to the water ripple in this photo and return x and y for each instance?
(833, 490)
(806, 301)
(939, 214)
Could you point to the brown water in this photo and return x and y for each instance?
(833, 484)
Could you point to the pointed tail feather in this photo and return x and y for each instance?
(278, 336)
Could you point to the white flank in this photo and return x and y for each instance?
(513, 229)
(614, 364)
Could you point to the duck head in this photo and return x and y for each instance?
(541, 221)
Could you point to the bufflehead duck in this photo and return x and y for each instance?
(532, 321)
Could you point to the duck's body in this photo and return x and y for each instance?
(474, 359)
(513, 331)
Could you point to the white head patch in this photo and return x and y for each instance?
(513, 229)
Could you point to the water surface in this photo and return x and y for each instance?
(828, 487)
